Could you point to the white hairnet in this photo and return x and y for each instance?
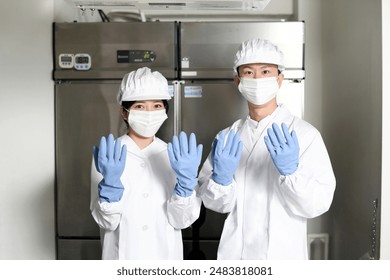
(258, 51)
(143, 84)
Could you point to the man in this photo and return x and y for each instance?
(271, 173)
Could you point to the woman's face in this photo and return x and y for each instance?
(141, 105)
(148, 105)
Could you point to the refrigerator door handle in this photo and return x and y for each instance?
(177, 90)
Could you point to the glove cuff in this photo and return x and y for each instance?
(222, 180)
(187, 189)
(113, 182)
(110, 192)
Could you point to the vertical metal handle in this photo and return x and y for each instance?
(177, 89)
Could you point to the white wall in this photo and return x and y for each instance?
(27, 228)
(385, 209)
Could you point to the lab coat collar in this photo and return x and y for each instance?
(259, 128)
(157, 146)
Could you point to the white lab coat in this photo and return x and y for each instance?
(146, 223)
(268, 211)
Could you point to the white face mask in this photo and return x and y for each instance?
(146, 123)
(258, 91)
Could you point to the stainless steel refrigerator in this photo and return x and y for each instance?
(90, 60)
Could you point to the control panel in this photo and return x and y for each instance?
(135, 56)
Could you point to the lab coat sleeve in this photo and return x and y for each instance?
(106, 215)
(308, 192)
(216, 197)
(183, 211)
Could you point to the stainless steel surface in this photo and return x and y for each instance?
(84, 113)
(208, 49)
(103, 40)
(177, 107)
(79, 249)
(374, 236)
(219, 105)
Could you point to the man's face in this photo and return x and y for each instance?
(258, 71)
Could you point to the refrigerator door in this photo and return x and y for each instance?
(79, 249)
(90, 60)
(291, 93)
(207, 49)
(84, 113)
(208, 107)
(115, 48)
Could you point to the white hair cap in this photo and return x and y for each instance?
(258, 51)
(143, 84)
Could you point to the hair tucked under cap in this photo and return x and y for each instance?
(143, 84)
(258, 51)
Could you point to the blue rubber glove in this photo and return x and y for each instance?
(185, 158)
(110, 161)
(226, 159)
(284, 149)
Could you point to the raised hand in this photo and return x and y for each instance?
(226, 158)
(110, 159)
(284, 148)
(185, 157)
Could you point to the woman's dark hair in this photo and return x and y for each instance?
(128, 104)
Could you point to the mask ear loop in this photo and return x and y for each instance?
(124, 116)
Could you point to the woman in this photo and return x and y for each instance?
(136, 199)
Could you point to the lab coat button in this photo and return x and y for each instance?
(145, 195)
(143, 165)
(145, 227)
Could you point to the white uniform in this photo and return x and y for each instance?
(268, 211)
(146, 223)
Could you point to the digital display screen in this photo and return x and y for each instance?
(134, 56)
(66, 59)
(82, 59)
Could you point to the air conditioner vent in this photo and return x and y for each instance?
(192, 5)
